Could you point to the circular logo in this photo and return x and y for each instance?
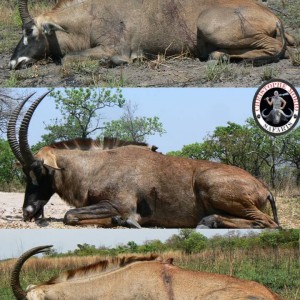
(276, 107)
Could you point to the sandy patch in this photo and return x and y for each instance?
(11, 213)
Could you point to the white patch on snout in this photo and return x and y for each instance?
(33, 178)
(14, 63)
(25, 40)
(23, 59)
(29, 208)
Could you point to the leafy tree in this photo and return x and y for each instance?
(132, 128)
(85, 249)
(267, 151)
(227, 144)
(248, 147)
(153, 246)
(292, 151)
(7, 104)
(188, 240)
(173, 242)
(193, 151)
(8, 171)
(194, 243)
(133, 246)
(232, 145)
(275, 238)
(51, 253)
(259, 149)
(185, 233)
(80, 108)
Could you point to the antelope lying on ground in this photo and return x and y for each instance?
(137, 278)
(132, 185)
(117, 31)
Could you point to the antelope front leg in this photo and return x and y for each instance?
(100, 214)
(103, 54)
(103, 213)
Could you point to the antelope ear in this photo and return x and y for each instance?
(49, 28)
(48, 158)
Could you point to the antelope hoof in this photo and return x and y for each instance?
(209, 222)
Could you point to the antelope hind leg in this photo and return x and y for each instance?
(217, 221)
(129, 222)
(256, 56)
(220, 221)
(241, 34)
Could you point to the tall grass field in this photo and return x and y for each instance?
(278, 269)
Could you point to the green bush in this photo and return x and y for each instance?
(10, 175)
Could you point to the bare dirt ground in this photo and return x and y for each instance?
(180, 71)
(11, 213)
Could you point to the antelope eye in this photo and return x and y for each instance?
(28, 31)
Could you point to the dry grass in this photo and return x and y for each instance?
(295, 57)
(288, 206)
(268, 73)
(287, 197)
(212, 259)
(47, 263)
(276, 268)
(288, 211)
(9, 14)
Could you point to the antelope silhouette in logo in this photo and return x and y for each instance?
(132, 185)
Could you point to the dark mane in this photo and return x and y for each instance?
(99, 267)
(89, 144)
(111, 143)
(78, 143)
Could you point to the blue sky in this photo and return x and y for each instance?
(16, 241)
(187, 115)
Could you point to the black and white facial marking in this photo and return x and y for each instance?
(32, 47)
(38, 190)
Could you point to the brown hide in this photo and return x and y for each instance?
(158, 190)
(120, 31)
(150, 280)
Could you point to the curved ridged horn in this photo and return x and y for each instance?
(24, 13)
(265, 116)
(23, 132)
(19, 293)
(11, 130)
